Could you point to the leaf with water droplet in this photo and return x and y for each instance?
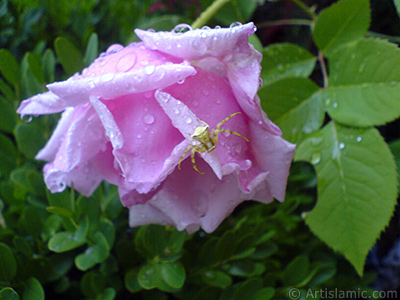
(286, 60)
(298, 111)
(367, 98)
(352, 189)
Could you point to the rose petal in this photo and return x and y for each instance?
(46, 103)
(189, 200)
(197, 44)
(49, 151)
(76, 91)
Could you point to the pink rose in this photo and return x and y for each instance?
(130, 116)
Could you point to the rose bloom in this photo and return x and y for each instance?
(132, 114)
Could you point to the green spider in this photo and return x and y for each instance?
(208, 140)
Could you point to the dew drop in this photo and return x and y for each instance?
(235, 24)
(261, 82)
(195, 103)
(327, 101)
(206, 92)
(217, 100)
(180, 81)
(315, 158)
(148, 119)
(176, 110)
(189, 120)
(316, 141)
(358, 139)
(341, 146)
(126, 62)
(334, 105)
(182, 28)
(149, 69)
(107, 77)
(139, 136)
(114, 49)
(26, 118)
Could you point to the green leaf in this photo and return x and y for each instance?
(69, 57)
(30, 82)
(173, 273)
(364, 88)
(286, 60)
(297, 271)
(246, 268)
(63, 212)
(65, 241)
(353, 188)
(395, 148)
(397, 4)
(149, 276)
(8, 264)
(341, 23)
(217, 278)
(9, 67)
(94, 254)
(48, 63)
(33, 290)
(92, 49)
(131, 281)
(264, 294)
(294, 105)
(8, 157)
(246, 289)
(30, 139)
(7, 116)
(29, 179)
(32, 221)
(225, 246)
(8, 294)
(63, 200)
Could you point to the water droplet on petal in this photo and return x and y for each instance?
(114, 49)
(217, 100)
(182, 28)
(26, 118)
(126, 62)
(315, 158)
(341, 146)
(149, 69)
(206, 28)
(180, 81)
(235, 24)
(139, 136)
(261, 82)
(189, 120)
(206, 92)
(176, 110)
(358, 139)
(195, 103)
(148, 119)
(107, 77)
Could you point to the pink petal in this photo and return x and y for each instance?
(196, 44)
(46, 103)
(76, 91)
(49, 151)
(189, 200)
(273, 154)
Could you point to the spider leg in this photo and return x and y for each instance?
(229, 131)
(183, 155)
(226, 119)
(194, 162)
